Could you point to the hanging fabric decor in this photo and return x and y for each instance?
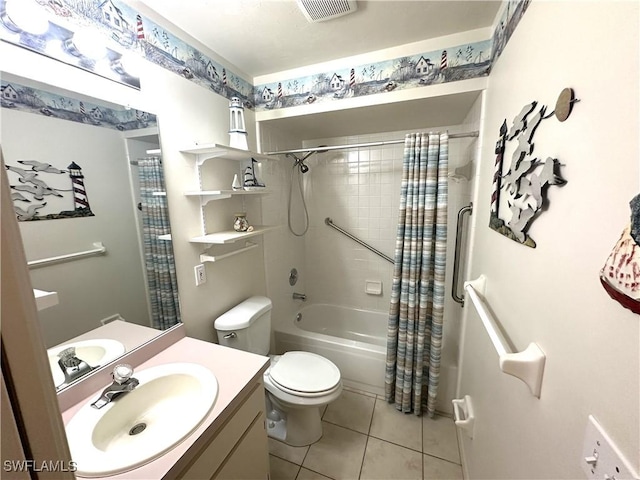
(620, 275)
(414, 335)
(519, 194)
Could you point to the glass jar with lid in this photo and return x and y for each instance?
(240, 224)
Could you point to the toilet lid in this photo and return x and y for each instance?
(305, 372)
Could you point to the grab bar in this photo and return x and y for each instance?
(527, 365)
(456, 256)
(330, 223)
(98, 250)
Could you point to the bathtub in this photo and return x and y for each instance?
(353, 339)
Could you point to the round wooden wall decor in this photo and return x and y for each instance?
(564, 104)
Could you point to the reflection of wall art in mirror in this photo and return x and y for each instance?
(40, 190)
(31, 186)
(521, 190)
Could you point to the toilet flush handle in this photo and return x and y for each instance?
(230, 335)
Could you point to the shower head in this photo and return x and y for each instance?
(299, 162)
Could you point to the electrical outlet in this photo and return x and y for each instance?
(601, 458)
(201, 274)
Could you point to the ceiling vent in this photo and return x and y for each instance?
(321, 10)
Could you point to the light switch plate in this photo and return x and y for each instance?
(601, 458)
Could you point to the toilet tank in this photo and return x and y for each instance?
(247, 326)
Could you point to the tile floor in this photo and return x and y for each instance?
(364, 437)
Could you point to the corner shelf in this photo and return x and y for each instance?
(230, 236)
(205, 152)
(214, 150)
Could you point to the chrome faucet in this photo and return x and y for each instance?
(72, 366)
(299, 296)
(123, 382)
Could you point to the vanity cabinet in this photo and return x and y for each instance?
(238, 449)
(202, 154)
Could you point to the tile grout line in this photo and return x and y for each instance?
(387, 441)
(368, 436)
(366, 443)
(421, 451)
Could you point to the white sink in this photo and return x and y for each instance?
(96, 352)
(169, 403)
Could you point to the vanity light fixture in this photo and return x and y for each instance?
(24, 16)
(130, 64)
(105, 67)
(54, 48)
(86, 42)
(118, 67)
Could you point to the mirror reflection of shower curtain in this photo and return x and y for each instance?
(414, 338)
(158, 254)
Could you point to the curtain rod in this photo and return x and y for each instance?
(358, 145)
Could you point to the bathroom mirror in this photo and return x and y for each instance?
(87, 185)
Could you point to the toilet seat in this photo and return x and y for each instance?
(305, 374)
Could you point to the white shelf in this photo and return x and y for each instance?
(230, 236)
(45, 299)
(214, 150)
(216, 258)
(208, 195)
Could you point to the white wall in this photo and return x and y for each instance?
(552, 295)
(93, 288)
(191, 115)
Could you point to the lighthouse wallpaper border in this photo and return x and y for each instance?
(126, 37)
(25, 98)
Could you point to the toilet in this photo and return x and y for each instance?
(297, 384)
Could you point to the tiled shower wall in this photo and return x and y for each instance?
(359, 190)
(282, 250)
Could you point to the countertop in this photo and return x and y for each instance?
(236, 371)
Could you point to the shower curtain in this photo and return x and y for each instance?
(414, 335)
(158, 254)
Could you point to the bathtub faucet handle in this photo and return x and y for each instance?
(299, 296)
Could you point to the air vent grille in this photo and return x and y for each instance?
(321, 10)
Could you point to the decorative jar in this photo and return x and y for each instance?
(240, 223)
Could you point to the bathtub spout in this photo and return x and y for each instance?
(299, 296)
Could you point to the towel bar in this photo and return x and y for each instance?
(527, 365)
